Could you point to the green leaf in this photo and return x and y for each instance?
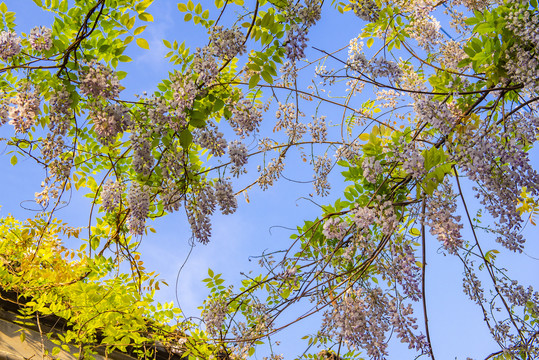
(182, 7)
(143, 43)
(187, 17)
(471, 21)
(414, 232)
(143, 5)
(128, 40)
(139, 30)
(267, 77)
(286, 293)
(253, 66)
(483, 28)
(3, 7)
(94, 242)
(370, 42)
(198, 9)
(281, 4)
(14, 160)
(477, 45)
(167, 44)
(125, 58)
(218, 105)
(103, 48)
(270, 69)
(130, 23)
(121, 75)
(190, 5)
(197, 119)
(145, 17)
(253, 81)
(186, 138)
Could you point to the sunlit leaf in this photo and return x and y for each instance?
(143, 43)
(145, 17)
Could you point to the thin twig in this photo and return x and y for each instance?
(423, 268)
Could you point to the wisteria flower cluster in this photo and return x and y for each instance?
(335, 228)
(198, 214)
(371, 169)
(211, 139)
(10, 44)
(111, 195)
(322, 167)
(225, 197)
(41, 38)
(203, 205)
(270, 173)
(25, 109)
(60, 112)
(52, 147)
(246, 118)
(426, 30)
(97, 80)
(359, 319)
(143, 159)
(238, 156)
(377, 67)
(205, 67)
(307, 13)
(227, 43)
(109, 121)
(412, 161)
(318, 129)
(296, 37)
(185, 92)
(366, 10)
(296, 42)
(523, 65)
(363, 217)
(138, 198)
(441, 219)
(214, 316)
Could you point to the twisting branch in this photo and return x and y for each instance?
(82, 34)
(423, 280)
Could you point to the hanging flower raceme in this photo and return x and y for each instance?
(97, 80)
(111, 195)
(109, 121)
(10, 44)
(24, 110)
(41, 38)
(138, 198)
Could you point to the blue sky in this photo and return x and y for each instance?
(457, 329)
